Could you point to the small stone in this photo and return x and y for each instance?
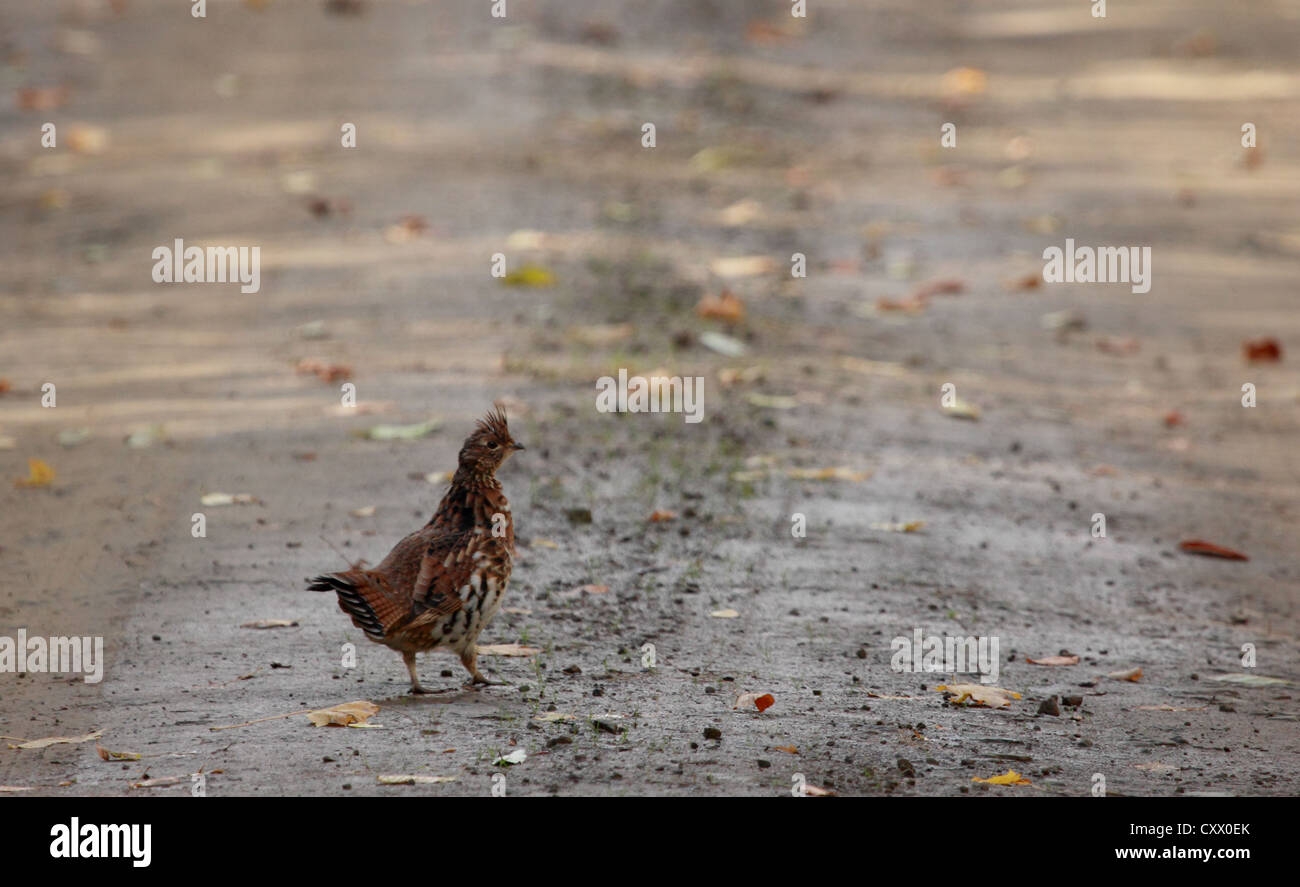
(712, 733)
(1049, 707)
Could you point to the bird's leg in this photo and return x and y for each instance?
(409, 659)
(469, 659)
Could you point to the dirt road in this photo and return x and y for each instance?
(773, 136)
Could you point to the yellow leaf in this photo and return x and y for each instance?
(529, 275)
(1011, 777)
(58, 740)
(38, 474)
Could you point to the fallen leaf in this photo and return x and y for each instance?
(552, 717)
(158, 782)
(741, 213)
(219, 499)
(400, 432)
(403, 779)
(725, 614)
(960, 409)
(326, 372)
(1133, 674)
(364, 511)
(408, 228)
(530, 276)
(107, 755)
(724, 306)
(1054, 660)
(942, 287)
(1173, 418)
(659, 515)
(816, 791)
(83, 139)
(788, 749)
(58, 740)
(590, 589)
(1011, 777)
(838, 472)
(742, 266)
(1262, 350)
(343, 715)
(1196, 546)
(39, 474)
(723, 344)
(979, 694)
(1248, 680)
(17, 788)
(271, 623)
(544, 543)
(518, 756)
(42, 98)
(507, 650)
(962, 82)
(761, 701)
(907, 306)
(909, 527)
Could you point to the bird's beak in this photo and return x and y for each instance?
(518, 446)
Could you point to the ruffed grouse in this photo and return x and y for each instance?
(443, 583)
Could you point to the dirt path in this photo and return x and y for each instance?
(523, 138)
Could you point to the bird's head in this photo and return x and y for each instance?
(489, 445)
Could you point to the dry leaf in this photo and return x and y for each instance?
(839, 472)
(908, 527)
(364, 511)
(963, 82)
(507, 650)
(271, 623)
(590, 589)
(42, 98)
(83, 139)
(943, 287)
(723, 344)
(742, 266)
(543, 543)
(1011, 777)
(344, 715)
(39, 474)
(401, 779)
(1054, 660)
(724, 306)
(816, 791)
(217, 499)
(58, 740)
(326, 372)
(1132, 674)
(761, 701)
(659, 515)
(788, 749)
(552, 717)
(960, 409)
(1196, 546)
(1248, 680)
(725, 614)
(107, 755)
(1262, 350)
(20, 788)
(518, 756)
(979, 694)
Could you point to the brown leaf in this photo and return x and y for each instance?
(660, 515)
(724, 306)
(1262, 350)
(761, 701)
(1197, 546)
(58, 740)
(108, 755)
(1173, 418)
(42, 98)
(326, 372)
(943, 287)
(343, 715)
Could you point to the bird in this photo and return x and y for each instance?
(442, 584)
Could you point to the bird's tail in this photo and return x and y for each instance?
(357, 598)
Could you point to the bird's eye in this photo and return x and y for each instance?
(492, 445)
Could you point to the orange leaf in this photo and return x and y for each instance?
(765, 702)
(38, 474)
(1054, 660)
(1196, 546)
(662, 514)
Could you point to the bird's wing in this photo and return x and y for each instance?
(445, 569)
